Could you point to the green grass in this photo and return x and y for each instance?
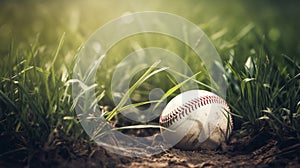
(257, 41)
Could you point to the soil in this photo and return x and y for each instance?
(243, 151)
(259, 149)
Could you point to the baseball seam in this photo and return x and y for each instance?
(188, 107)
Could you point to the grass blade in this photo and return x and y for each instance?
(143, 78)
(173, 89)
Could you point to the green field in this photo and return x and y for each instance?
(258, 43)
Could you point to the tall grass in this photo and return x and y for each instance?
(34, 101)
(264, 93)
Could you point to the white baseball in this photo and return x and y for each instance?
(196, 119)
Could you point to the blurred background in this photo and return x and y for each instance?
(24, 20)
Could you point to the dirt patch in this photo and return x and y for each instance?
(265, 156)
(239, 152)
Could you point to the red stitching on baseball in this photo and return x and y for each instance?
(188, 107)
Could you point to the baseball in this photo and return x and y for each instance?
(196, 119)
